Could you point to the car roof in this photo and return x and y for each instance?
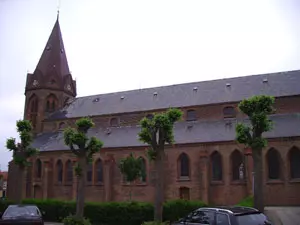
(21, 205)
(236, 210)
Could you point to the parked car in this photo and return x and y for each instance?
(230, 215)
(22, 214)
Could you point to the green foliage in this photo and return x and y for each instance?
(257, 108)
(73, 220)
(159, 130)
(86, 147)
(247, 202)
(155, 223)
(22, 151)
(111, 213)
(132, 168)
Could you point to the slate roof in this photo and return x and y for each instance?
(183, 95)
(53, 58)
(285, 125)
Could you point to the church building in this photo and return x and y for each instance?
(205, 163)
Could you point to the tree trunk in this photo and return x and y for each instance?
(159, 186)
(81, 188)
(19, 184)
(258, 179)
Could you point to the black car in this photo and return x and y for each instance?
(230, 215)
(22, 214)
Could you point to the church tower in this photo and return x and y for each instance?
(51, 85)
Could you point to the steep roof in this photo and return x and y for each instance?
(286, 125)
(54, 59)
(183, 95)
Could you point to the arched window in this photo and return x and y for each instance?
(99, 171)
(237, 165)
(33, 109)
(69, 171)
(294, 158)
(61, 125)
(38, 168)
(144, 170)
(59, 170)
(114, 122)
(184, 193)
(184, 165)
(51, 103)
(274, 165)
(217, 170)
(191, 115)
(89, 173)
(229, 112)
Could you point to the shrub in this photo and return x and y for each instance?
(111, 213)
(155, 223)
(248, 202)
(73, 220)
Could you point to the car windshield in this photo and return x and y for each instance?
(16, 211)
(251, 219)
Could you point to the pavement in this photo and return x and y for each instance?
(50, 223)
(283, 215)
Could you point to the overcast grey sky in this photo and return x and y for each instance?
(121, 45)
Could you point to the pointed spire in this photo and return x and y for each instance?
(54, 59)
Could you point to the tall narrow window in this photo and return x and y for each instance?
(99, 171)
(217, 171)
(294, 158)
(144, 171)
(59, 170)
(38, 168)
(237, 165)
(69, 174)
(33, 109)
(274, 165)
(184, 165)
(89, 173)
(51, 103)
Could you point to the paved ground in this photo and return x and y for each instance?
(283, 215)
(49, 223)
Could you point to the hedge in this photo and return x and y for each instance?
(248, 202)
(112, 213)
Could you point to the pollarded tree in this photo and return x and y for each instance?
(85, 149)
(156, 132)
(257, 108)
(21, 152)
(132, 169)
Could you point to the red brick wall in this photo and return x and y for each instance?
(283, 192)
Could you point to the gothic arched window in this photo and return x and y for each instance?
(33, 109)
(294, 159)
(89, 173)
(144, 170)
(38, 168)
(216, 166)
(99, 171)
(237, 165)
(59, 170)
(69, 171)
(274, 165)
(184, 165)
(51, 103)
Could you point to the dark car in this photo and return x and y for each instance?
(230, 215)
(22, 214)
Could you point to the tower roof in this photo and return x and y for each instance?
(54, 59)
